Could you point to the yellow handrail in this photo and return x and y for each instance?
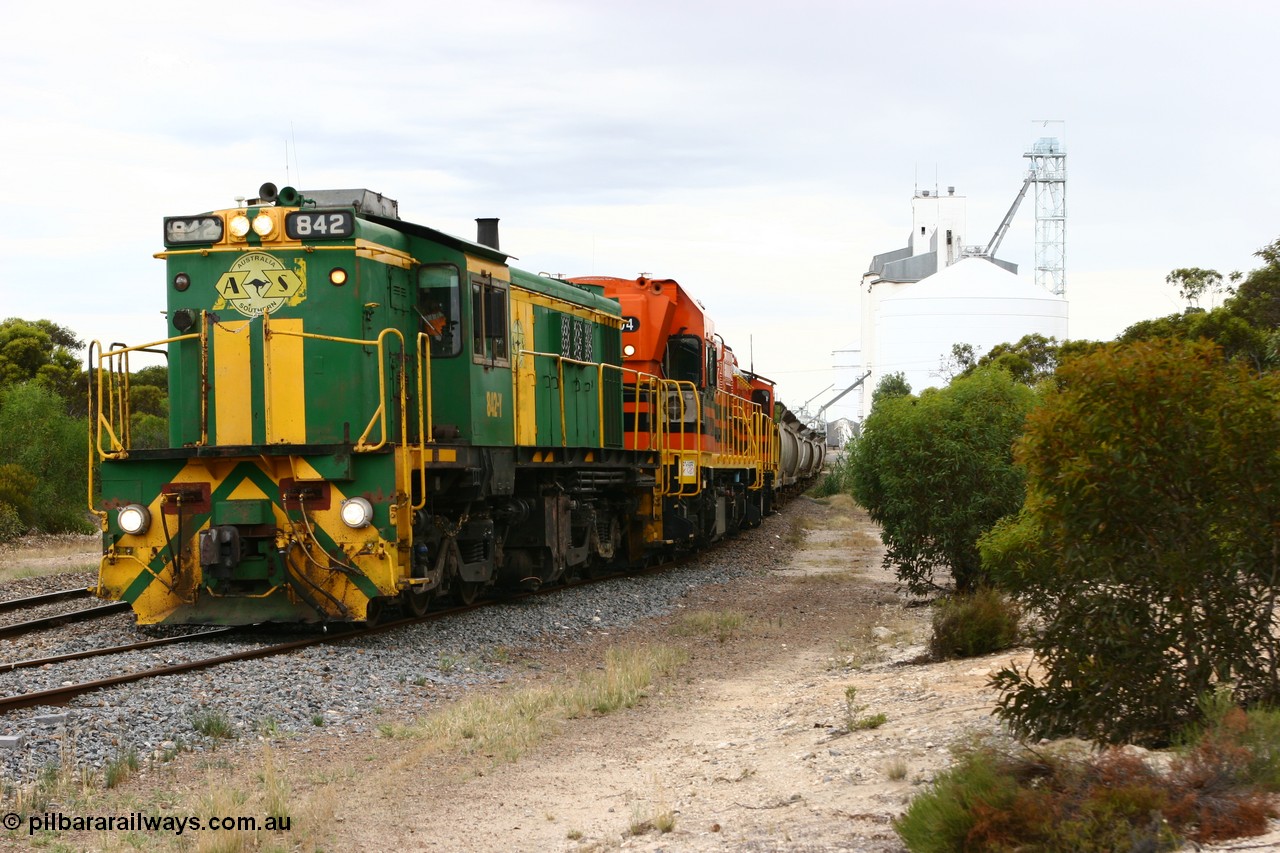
(115, 423)
(422, 350)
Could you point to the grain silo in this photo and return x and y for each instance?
(972, 301)
(920, 300)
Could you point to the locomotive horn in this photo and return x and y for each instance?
(267, 192)
(288, 197)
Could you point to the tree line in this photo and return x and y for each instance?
(1126, 493)
(44, 458)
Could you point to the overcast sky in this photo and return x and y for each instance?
(758, 152)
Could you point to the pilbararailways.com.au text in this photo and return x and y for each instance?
(139, 822)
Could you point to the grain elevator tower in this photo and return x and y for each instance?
(1048, 172)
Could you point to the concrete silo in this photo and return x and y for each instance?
(972, 301)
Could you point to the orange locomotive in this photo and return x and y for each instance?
(684, 393)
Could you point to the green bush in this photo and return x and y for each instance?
(944, 818)
(1149, 543)
(17, 485)
(993, 800)
(37, 435)
(148, 431)
(839, 477)
(979, 623)
(936, 472)
(11, 526)
(1226, 729)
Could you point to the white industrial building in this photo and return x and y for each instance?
(973, 301)
(919, 301)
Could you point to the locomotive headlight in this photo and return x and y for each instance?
(134, 519)
(239, 225)
(356, 513)
(628, 350)
(337, 276)
(262, 225)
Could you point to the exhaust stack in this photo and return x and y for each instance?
(487, 232)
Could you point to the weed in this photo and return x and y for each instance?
(628, 672)
(221, 799)
(896, 769)
(317, 720)
(661, 818)
(871, 721)
(120, 768)
(797, 527)
(447, 663)
(853, 718)
(574, 835)
(212, 723)
(972, 625)
(275, 787)
(169, 753)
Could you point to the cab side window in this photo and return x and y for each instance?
(489, 322)
(438, 309)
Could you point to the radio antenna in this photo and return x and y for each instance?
(296, 167)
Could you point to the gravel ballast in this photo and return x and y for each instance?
(346, 687)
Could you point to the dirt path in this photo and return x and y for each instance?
(746, 750)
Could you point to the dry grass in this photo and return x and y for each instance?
(833, 578)
(39, 556)
(720, 624)
(797, 528)
(657, 815)
(504, 726)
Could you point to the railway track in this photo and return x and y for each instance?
(65, 693)
(32, 602)
(43, 598)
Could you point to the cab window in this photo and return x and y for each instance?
(438, 309)
(489, 320)
(684, 359)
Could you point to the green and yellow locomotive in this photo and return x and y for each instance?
(366, 411)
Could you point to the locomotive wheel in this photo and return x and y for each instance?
(373, 612)
(415, 602)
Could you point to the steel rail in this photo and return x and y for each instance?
(65, 693)
(63, 618)
(10, 666)
(43, 598)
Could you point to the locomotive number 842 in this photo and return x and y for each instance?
(365, 411)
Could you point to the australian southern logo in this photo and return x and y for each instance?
(258, 282)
